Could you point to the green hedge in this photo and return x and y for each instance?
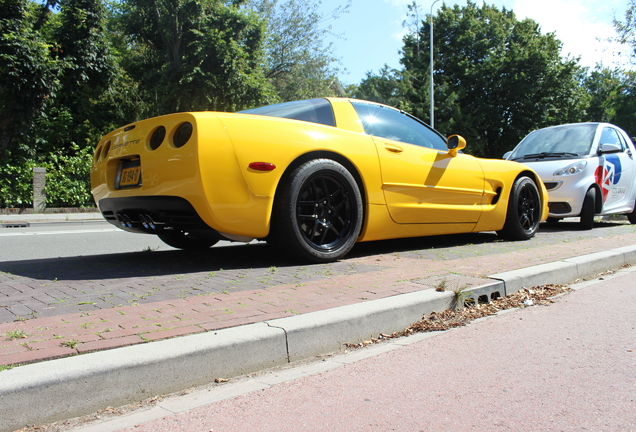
(67, 180)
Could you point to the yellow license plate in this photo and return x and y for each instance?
(130, 174)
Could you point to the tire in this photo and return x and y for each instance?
(631, 217)
(318, 213)
(524, 211)
(184, 240)
(588, 210)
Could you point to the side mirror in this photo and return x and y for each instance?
(454, 144)
(506, 154)
(610, 148)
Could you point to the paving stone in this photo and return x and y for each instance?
(36, 355)
(103, 344)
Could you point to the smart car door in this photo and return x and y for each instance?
(616, 170)
(422, 183)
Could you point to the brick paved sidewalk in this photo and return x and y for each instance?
(61, 307)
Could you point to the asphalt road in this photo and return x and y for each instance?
(568, 366)
(71, 239)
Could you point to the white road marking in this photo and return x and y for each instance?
(34, 233)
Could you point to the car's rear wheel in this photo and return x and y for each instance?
(185, 240)
(524, 210)
(588, 210)
(317, 213)
(631, 217)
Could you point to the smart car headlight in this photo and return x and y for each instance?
(571, 169)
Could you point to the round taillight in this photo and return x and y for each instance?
(182, 134)
(105, 150)
(98, 153)
(157, 137)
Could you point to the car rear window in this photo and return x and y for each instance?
(310, 110)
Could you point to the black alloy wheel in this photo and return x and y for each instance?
(318, 213)
(524, 211)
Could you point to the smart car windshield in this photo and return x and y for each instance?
(311, 110)
(556, 142)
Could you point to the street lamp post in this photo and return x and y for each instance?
(431, 58)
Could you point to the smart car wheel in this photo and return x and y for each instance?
(184, 240)
(588, 210)
(318, 212)
(524, 211)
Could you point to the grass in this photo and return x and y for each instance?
(441, 286)
(71, 343)
(16, 334)
(460, 298)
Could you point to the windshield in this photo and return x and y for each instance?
(559, 141)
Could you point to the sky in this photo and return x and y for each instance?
(370, 34)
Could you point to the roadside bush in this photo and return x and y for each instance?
(67, 180)
(16, 184)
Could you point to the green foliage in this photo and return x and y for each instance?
(627, 30)
(297, 62)
(67, 180)
(192, 54)
(16, 183)
(28, 73)
(613, 97)
(389, 87)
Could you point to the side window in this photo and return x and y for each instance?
(391, 124)
(621, 139)
(610, 136)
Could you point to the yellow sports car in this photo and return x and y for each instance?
(310, 177)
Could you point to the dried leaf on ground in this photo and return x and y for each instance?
(439, 321)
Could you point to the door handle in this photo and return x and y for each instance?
(393, 148)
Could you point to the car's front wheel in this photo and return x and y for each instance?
(185, 240)
(588, 210)
(318, 212)
(524, 210)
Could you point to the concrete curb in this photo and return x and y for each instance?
(567, 270)
(80, 385)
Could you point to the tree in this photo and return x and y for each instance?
(192, 54)
(387, 87)
(298, 63)
(28, 75)
(88, 70)
(627, 30)
(496, 78)
(613, 97)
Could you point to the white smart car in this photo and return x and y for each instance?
(587, 168)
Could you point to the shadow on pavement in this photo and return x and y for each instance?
(216, 259)
(258, 256)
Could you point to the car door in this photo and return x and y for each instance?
(617, 171)
(422, 183)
